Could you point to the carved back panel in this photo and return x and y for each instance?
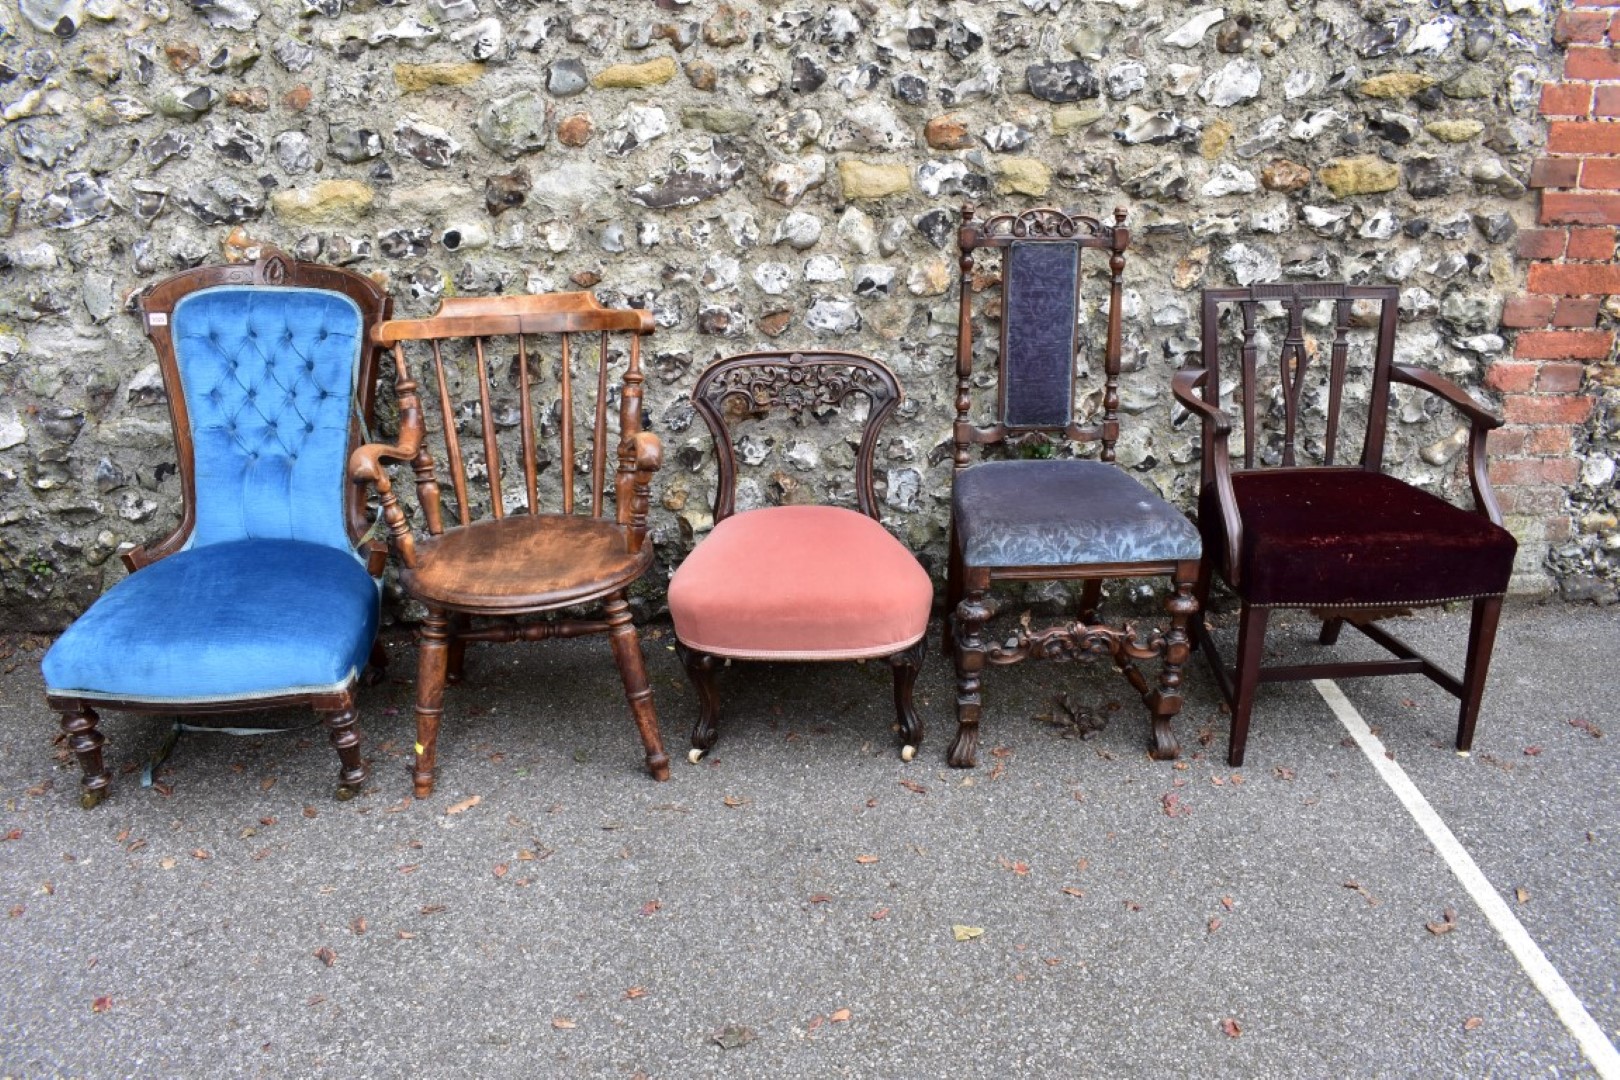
(810, 387)
(1291, 350)
(271, 382)
(1038, 300)
(514, 429)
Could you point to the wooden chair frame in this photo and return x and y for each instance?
(1199, 390)
(758, 382)
(80, 717)
(967, 586)
(449, 624)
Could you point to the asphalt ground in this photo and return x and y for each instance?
(787, 906)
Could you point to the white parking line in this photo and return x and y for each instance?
(1599, 1051)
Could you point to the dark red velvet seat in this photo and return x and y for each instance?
(1285, 526)
(1351, 538)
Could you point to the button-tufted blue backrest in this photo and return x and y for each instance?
(269, 380)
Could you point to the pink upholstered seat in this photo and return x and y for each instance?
(800, 583)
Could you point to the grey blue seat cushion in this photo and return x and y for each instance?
(1065, 513)
(239, 620)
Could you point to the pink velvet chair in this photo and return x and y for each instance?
(798, 582)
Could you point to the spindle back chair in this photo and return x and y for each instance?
(503, 551)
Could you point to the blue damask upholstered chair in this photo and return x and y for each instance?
(265, 595)
(1040, 514)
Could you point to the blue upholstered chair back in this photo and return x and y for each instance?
(269, 384)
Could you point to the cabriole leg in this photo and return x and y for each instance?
(701, 668)
(85, 740)
(633, 672)
(432, 658)
(906, 664)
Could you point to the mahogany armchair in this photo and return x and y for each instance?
(265, 595)
(1291, 528)
(799, 582)
(500, 557)
(1065, 518)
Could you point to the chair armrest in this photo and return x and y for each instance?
(1442, 387)
(1216, 468)
(367, 465)
(641, 454)
(1483, 423)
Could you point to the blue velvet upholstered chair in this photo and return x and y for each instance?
(265, 595)
(1039, 513)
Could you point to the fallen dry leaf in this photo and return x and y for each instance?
(359, 926)
(1356, 886)
(1214, 924)
(1473, 1022)
(966, 933)
(500, 870)
(1227, 902)
(732, 1036)
(101, 1004)
(325, 955)
(1072, 891)
(1532, 751)
(1174, 807)
(1445, 924)
(167, 862)
(734, 801)
(820, 898)
(1232, 1028)
(1522, 894)
(464, 805)
(651, 907)
(866, 860)
(913, 786)
(562, 1023)
(635, 992)
(16, 911)
(880, 913)
(840, 1017)
(311, 812)
(14, 834)
(199, 853)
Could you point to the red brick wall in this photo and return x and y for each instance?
(1566, 339)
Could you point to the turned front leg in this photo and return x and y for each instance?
(971, 615)
(345, 735)
(432, 654)
(85, 740)
(1165, 703)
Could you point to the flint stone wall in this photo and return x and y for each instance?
(758, 174)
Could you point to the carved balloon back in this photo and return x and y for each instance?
(755, 404)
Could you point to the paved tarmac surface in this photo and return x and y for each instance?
(794, 895)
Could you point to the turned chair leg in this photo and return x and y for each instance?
(345, 735)
(432, 659)
(1481, 640)
(971, 615)
(455, 669)
(1165, 702)
(953, 595)
(701, 668)
(633, 672)
(85, 740)
(906, 664)
(376, 669)
(1090, 599)
(1246, 678)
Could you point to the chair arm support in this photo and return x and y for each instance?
(641, 454)
(1482, 421)
(366, 466)
(1216, 470)
(1442, 387)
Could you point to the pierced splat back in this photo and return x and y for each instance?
(488, 359)
(800, 383)
(1292, 396)
(1040, 313)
